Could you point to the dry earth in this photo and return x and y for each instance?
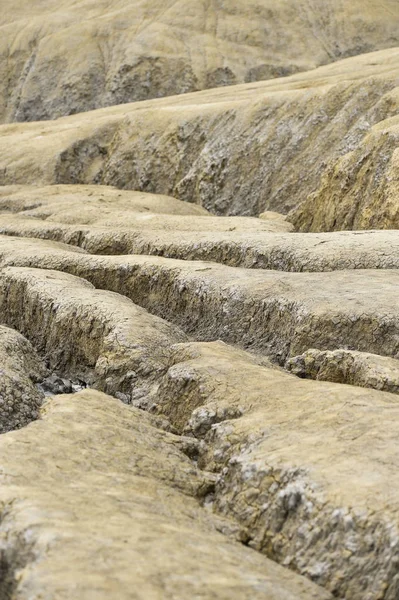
(276, 145)
(89, 277)
(199, 316)
(61, 58)
(115, 514)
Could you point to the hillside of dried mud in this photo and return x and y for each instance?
(61, 58)
(199, 332)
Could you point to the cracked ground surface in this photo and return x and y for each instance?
(273, 385)
(199, 316)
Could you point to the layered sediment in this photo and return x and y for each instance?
(77, 57)
(238, 150)
(212, 277)
(145, 328)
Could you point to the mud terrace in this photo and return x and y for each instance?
(229, 436)
(199, 314)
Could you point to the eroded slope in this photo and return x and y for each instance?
(236, 150)
(359, 190)
(62, 58)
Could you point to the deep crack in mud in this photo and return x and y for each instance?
(199, 367)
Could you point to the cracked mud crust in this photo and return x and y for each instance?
(199, 317)
(307, 468)
(99, 336)
(114, 514)
(109, 221)
(262, 438)
(20, 369)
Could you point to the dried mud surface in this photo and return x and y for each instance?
(199, 317)
(61, 58)
(239, 150)
(89, 278)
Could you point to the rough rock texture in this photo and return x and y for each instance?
(253, 470)
(113, 515)
(239, 408)
(276, 313)
(282, 449)
(101, 337)
(359, 190)
(307, 468)
(344, 366)
(20, 369)
(236, 150)
(54, 384)
(62, 58)
(235, 241)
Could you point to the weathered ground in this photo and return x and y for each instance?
(216, 274)
(271, 145)
(20, 369)
(301, 471)
(115, 514)
(60, 58)
(347, 366)
(307, 468)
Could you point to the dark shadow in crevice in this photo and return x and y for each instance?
(7, 579)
